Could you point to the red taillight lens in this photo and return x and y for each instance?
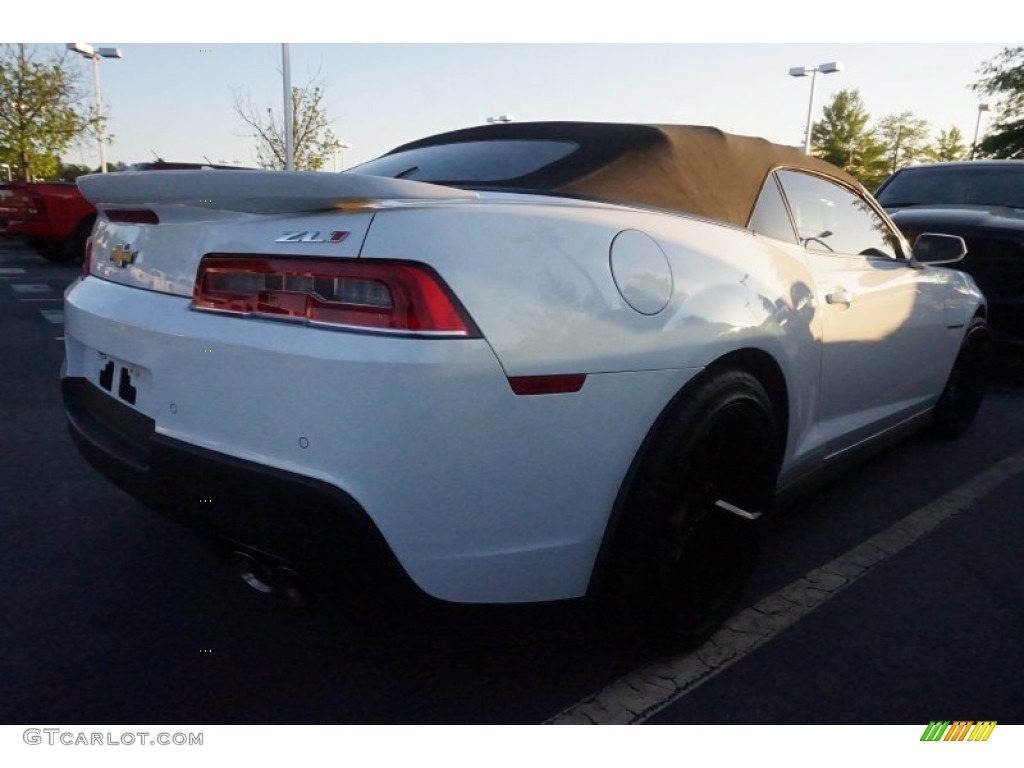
(394, 296)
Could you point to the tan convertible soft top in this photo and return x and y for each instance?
(694, 169)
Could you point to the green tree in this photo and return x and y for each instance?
(904, 137)
(1003, 81)
(40, 110)
(843, 138)
(313, 142)
(72, 171)
(949, 146)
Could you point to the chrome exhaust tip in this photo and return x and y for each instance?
(252, 571)
(269, 577)
(290, 585)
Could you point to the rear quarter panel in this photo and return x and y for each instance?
(536, 278)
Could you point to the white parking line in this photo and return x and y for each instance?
(31, 288)
(649, 689)
(12, 271)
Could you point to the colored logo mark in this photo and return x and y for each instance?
(123, 255)
(958, 730)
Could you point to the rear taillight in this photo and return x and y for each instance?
(87, 258)
(386, 296)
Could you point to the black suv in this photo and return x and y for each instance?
(982, 201)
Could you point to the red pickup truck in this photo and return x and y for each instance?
(55, 218)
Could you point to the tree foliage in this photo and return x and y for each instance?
(843, 138)
(40, 110)
(905, 139)
(948, 146)
(313, 142)
(1003, 81)
(72, 171)
(846, 137)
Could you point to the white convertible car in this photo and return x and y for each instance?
(522, 362)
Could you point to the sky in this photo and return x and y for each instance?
(404, 71)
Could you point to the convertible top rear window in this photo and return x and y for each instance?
(477, 162)
(687, 168)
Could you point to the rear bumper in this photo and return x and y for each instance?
(311, 526)
(39, 229)
(288, 438)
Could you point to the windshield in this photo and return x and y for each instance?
(469, 162)
(964, 184)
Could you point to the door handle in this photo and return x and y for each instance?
(842, 296)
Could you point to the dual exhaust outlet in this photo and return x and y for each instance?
(265, 575)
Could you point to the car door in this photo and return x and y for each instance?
(885, 343)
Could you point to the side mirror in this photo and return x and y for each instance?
(933, 248)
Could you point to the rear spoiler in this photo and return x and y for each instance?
(255, 191)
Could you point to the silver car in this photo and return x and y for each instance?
(519, 362)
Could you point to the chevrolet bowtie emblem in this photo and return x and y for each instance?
(123, 255)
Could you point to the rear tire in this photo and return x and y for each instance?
(50, 250)
(962, 397)
(59, 252)
(681, 560)
(71, 249)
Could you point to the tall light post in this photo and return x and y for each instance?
(289, 112)
(825, 69)
(340, 146)
(977, 128)
(96, 54)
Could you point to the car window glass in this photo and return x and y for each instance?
(770, 216)
(961, 184)
(469, 161)
(831, 219)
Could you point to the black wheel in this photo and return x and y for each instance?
(57, 252)
(70, 250)
(688, 534)
(50, 250)
(965, 389)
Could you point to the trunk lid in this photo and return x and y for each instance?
(155, 226)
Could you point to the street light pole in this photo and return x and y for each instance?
(289, 150)
(99, 112)
(977, 128)
(826, 69)
(96, 54)
(341, 146)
